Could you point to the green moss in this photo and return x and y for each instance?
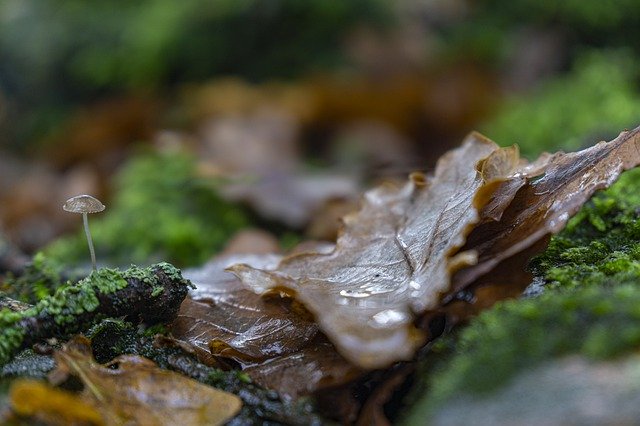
(42, 276)
(71, 302)
(601, 244)
(11, 335)
(156, 329)
(593, 102)
(161, 211)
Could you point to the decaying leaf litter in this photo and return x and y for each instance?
(519, 202)
(129, 390)
(396, 257)
(404, 255)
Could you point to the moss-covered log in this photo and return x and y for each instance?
(150, 295)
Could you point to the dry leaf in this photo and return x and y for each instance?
(51, 406)
(135, 391)
(393, 257)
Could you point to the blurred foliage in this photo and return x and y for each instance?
(160, 211)
(589, 305)
(41, 278)
(487, 32)
(58, 53)
(595, 101)
(152, 42)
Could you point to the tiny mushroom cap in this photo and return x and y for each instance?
(83, 204)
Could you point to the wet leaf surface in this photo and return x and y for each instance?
(226, 319)
(242, 327)
(133, 390)
(312, 369)
(396, 256)
(393, 257)
(272, 338)
(543, 198)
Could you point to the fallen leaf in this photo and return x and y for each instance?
(373, 413)
(51, 406)
(242, 327)
(291, 197)
(393, 258)
(226, 319)
(407, 248)
(272, 338)
(252, 240)
(543, 198)
(133, 390)
(312, 369)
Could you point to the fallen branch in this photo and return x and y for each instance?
(150, 295)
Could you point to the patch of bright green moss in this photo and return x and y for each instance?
(11, 335)
(601, 244)
(595, 101)
(161, 211)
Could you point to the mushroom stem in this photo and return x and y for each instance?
(85, 220)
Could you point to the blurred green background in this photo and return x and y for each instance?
(366, 89)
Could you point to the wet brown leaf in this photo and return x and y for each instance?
(316, 367)
(397, 255)
(226, 319)
(542, 198)
(373, 413)
(272, 338)
(242, 327)
(393, 258)
(138, 392)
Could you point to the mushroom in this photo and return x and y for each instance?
(85, 204)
